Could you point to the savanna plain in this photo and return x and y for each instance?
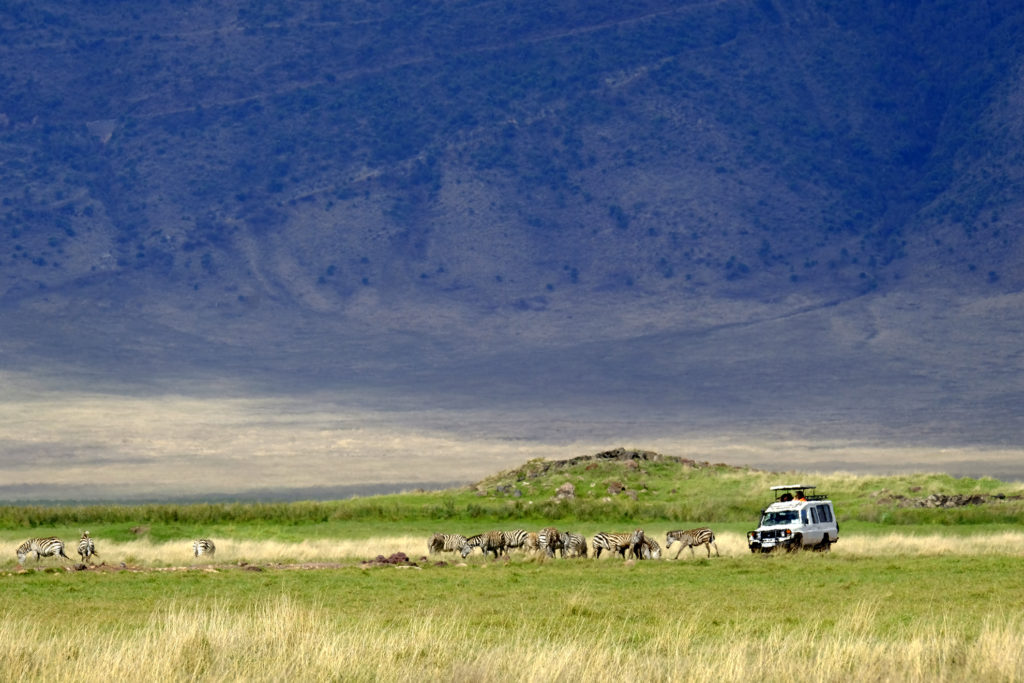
(322, 590)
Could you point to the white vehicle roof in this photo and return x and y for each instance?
(793, 487)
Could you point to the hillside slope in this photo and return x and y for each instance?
(238, 156)
(790, 218)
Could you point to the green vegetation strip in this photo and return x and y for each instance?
(615, 491)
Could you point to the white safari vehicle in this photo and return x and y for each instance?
(795, 520)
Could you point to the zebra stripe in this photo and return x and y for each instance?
(573, 545)
(448, 543)
(549, 540)
(613, 543)
(515, 539)
(203, 546)
(651, 550)
(86, 547)
(691, 537)
(490, 542)
(42, 547)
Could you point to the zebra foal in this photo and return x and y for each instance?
(573, 545)
(650, 549)
(549, 540)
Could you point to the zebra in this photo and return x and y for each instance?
(691, 537)
(42, 547)
(651, 550)
(549, 540)
(515, 539)
(490, 542)
(532, 542)
(636, 544)
(449, 543)
(203, 546)
(573, 545)
(618, 543)
(86, 547)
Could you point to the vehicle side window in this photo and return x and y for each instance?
(814, 515)
(826, 513)
(803, 515)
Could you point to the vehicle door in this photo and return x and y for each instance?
(827, 518)
(815, 529)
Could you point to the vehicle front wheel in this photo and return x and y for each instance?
(796, 544)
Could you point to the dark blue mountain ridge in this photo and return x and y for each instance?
(709, 206)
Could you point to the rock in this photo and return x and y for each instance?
(565, 492)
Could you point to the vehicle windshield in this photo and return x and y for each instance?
(779, 517)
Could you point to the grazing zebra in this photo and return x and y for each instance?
(573, 545)
(203, 546)
(532, 542)
(515, 539)
(636, 544)
(86, 547)
(42, 547)
(691, 537)
(448, 543)
(549, 540)
(491, 542)
(613, 543)
(650, 550)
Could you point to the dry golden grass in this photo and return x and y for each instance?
(731, 544)
(1001, 543)
(176, 553)
(179, 553)
(279, 639)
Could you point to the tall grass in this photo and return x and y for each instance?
(281, 639)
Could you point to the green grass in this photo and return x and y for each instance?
(749, 592)
(924, 614)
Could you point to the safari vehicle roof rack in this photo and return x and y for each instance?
(806, 488)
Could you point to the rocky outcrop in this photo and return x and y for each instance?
(941, 500)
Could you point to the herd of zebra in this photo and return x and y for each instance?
(549, 541)
(635, 544)
(54, 547)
